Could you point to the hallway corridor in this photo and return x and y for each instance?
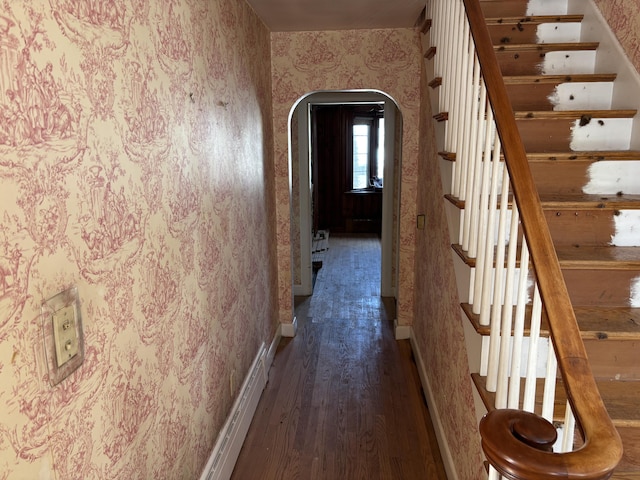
(343, 399)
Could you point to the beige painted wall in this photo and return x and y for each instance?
(136, 163)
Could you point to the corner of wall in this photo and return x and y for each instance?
(436, 417)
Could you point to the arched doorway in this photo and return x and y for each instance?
(300, 164)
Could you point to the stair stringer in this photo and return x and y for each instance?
(463, 273)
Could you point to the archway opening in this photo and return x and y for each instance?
(369, 186)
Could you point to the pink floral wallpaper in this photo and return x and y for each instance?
(623, 17)
(438, 324)
(386, 60)
(136, 162)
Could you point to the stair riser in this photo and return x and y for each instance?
(527, 32)
(559, 135)
(581, 227)
(595, 227)
(599, 287)
(596, 178)
(614, 360)
(519, 8)
(564, 96)
(516, 8)
(603, 287)
(550, 63)
(631, 454)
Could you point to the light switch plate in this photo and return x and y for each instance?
(64, 334)
(63, 338)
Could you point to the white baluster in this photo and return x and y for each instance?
(470, 143)
(466, 121)
(548, 399)
(484, 212)
(518, 329)
(487, 279)
(456, 120)
(498, 287)
(451, 36)
(534, 336)
(507, 313)
(568, 429)
(476, 191)
(493, 474)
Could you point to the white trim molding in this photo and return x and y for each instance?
(443, 443)
(401, 332)
(289, 329)
(232, 435)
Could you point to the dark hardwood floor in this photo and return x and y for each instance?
(343, 399)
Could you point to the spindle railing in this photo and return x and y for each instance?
(516, 272)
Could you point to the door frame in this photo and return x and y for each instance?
(390, 232)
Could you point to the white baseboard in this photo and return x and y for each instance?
(401, 332)
(289, 329)
(271, 353)
(302, 291)
(232, 435)
(443, 444)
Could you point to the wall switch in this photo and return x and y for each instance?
(63, 337)
(64, 333)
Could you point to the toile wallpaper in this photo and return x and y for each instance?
(438, 327)
(143, 158)
(385, 60)
(136, 162)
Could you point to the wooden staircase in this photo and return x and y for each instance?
(588, 178)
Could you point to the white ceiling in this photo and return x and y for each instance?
(306, 15)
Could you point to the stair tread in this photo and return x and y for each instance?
(584, 115)
(587, 115)
(577, 201)
(593, 256)
(595, 322)
(571, 201)
(546, 47)
(574, 77)
(620, 398)
(615, 322)
(426, 25)
(593, 156)
(584, 257)
(534, 19)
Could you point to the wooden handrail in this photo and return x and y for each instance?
(516, 442)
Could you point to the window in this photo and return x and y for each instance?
(361, 157)
(368, 152)
(380, 159)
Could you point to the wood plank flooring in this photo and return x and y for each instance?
(343, 399)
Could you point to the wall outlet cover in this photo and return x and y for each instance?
(63, 336)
